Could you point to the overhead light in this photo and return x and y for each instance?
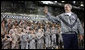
(74, 2)
(55, 1)
(47, 2)
(82, 5)
(62, 1)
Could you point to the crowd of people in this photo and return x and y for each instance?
(24, 34)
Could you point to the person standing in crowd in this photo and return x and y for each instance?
(23, 39)
(47, 38)
(27, 31)
(6, 41)
(14, 37)
(43, 31)
(3, 29)
(18, 36)
(58, 35)
(32, 36)
(70, 26)
(8, 25)
(53, 36)
(40, 40)
(27, 35)
(36, 31)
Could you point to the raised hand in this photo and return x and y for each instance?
(45, 10)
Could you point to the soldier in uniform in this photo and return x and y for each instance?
(3, 29)
(32, 36)
(18, 36)
(18, 32)
(53, 36)
(8, 25)
(35, 31)
(40, 40)
(58, 35)
(14, 37)
(47, 38)
(70, 26)
(6, 41)
(23, 39)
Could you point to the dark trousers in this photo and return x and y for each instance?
(70, 41)
(57, 36)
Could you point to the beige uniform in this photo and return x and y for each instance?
(40, 41)
(14, 38)
(6, 42)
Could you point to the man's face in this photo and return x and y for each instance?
(67, 8)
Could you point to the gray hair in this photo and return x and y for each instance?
(68, 5)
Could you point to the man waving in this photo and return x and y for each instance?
(70, 26)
